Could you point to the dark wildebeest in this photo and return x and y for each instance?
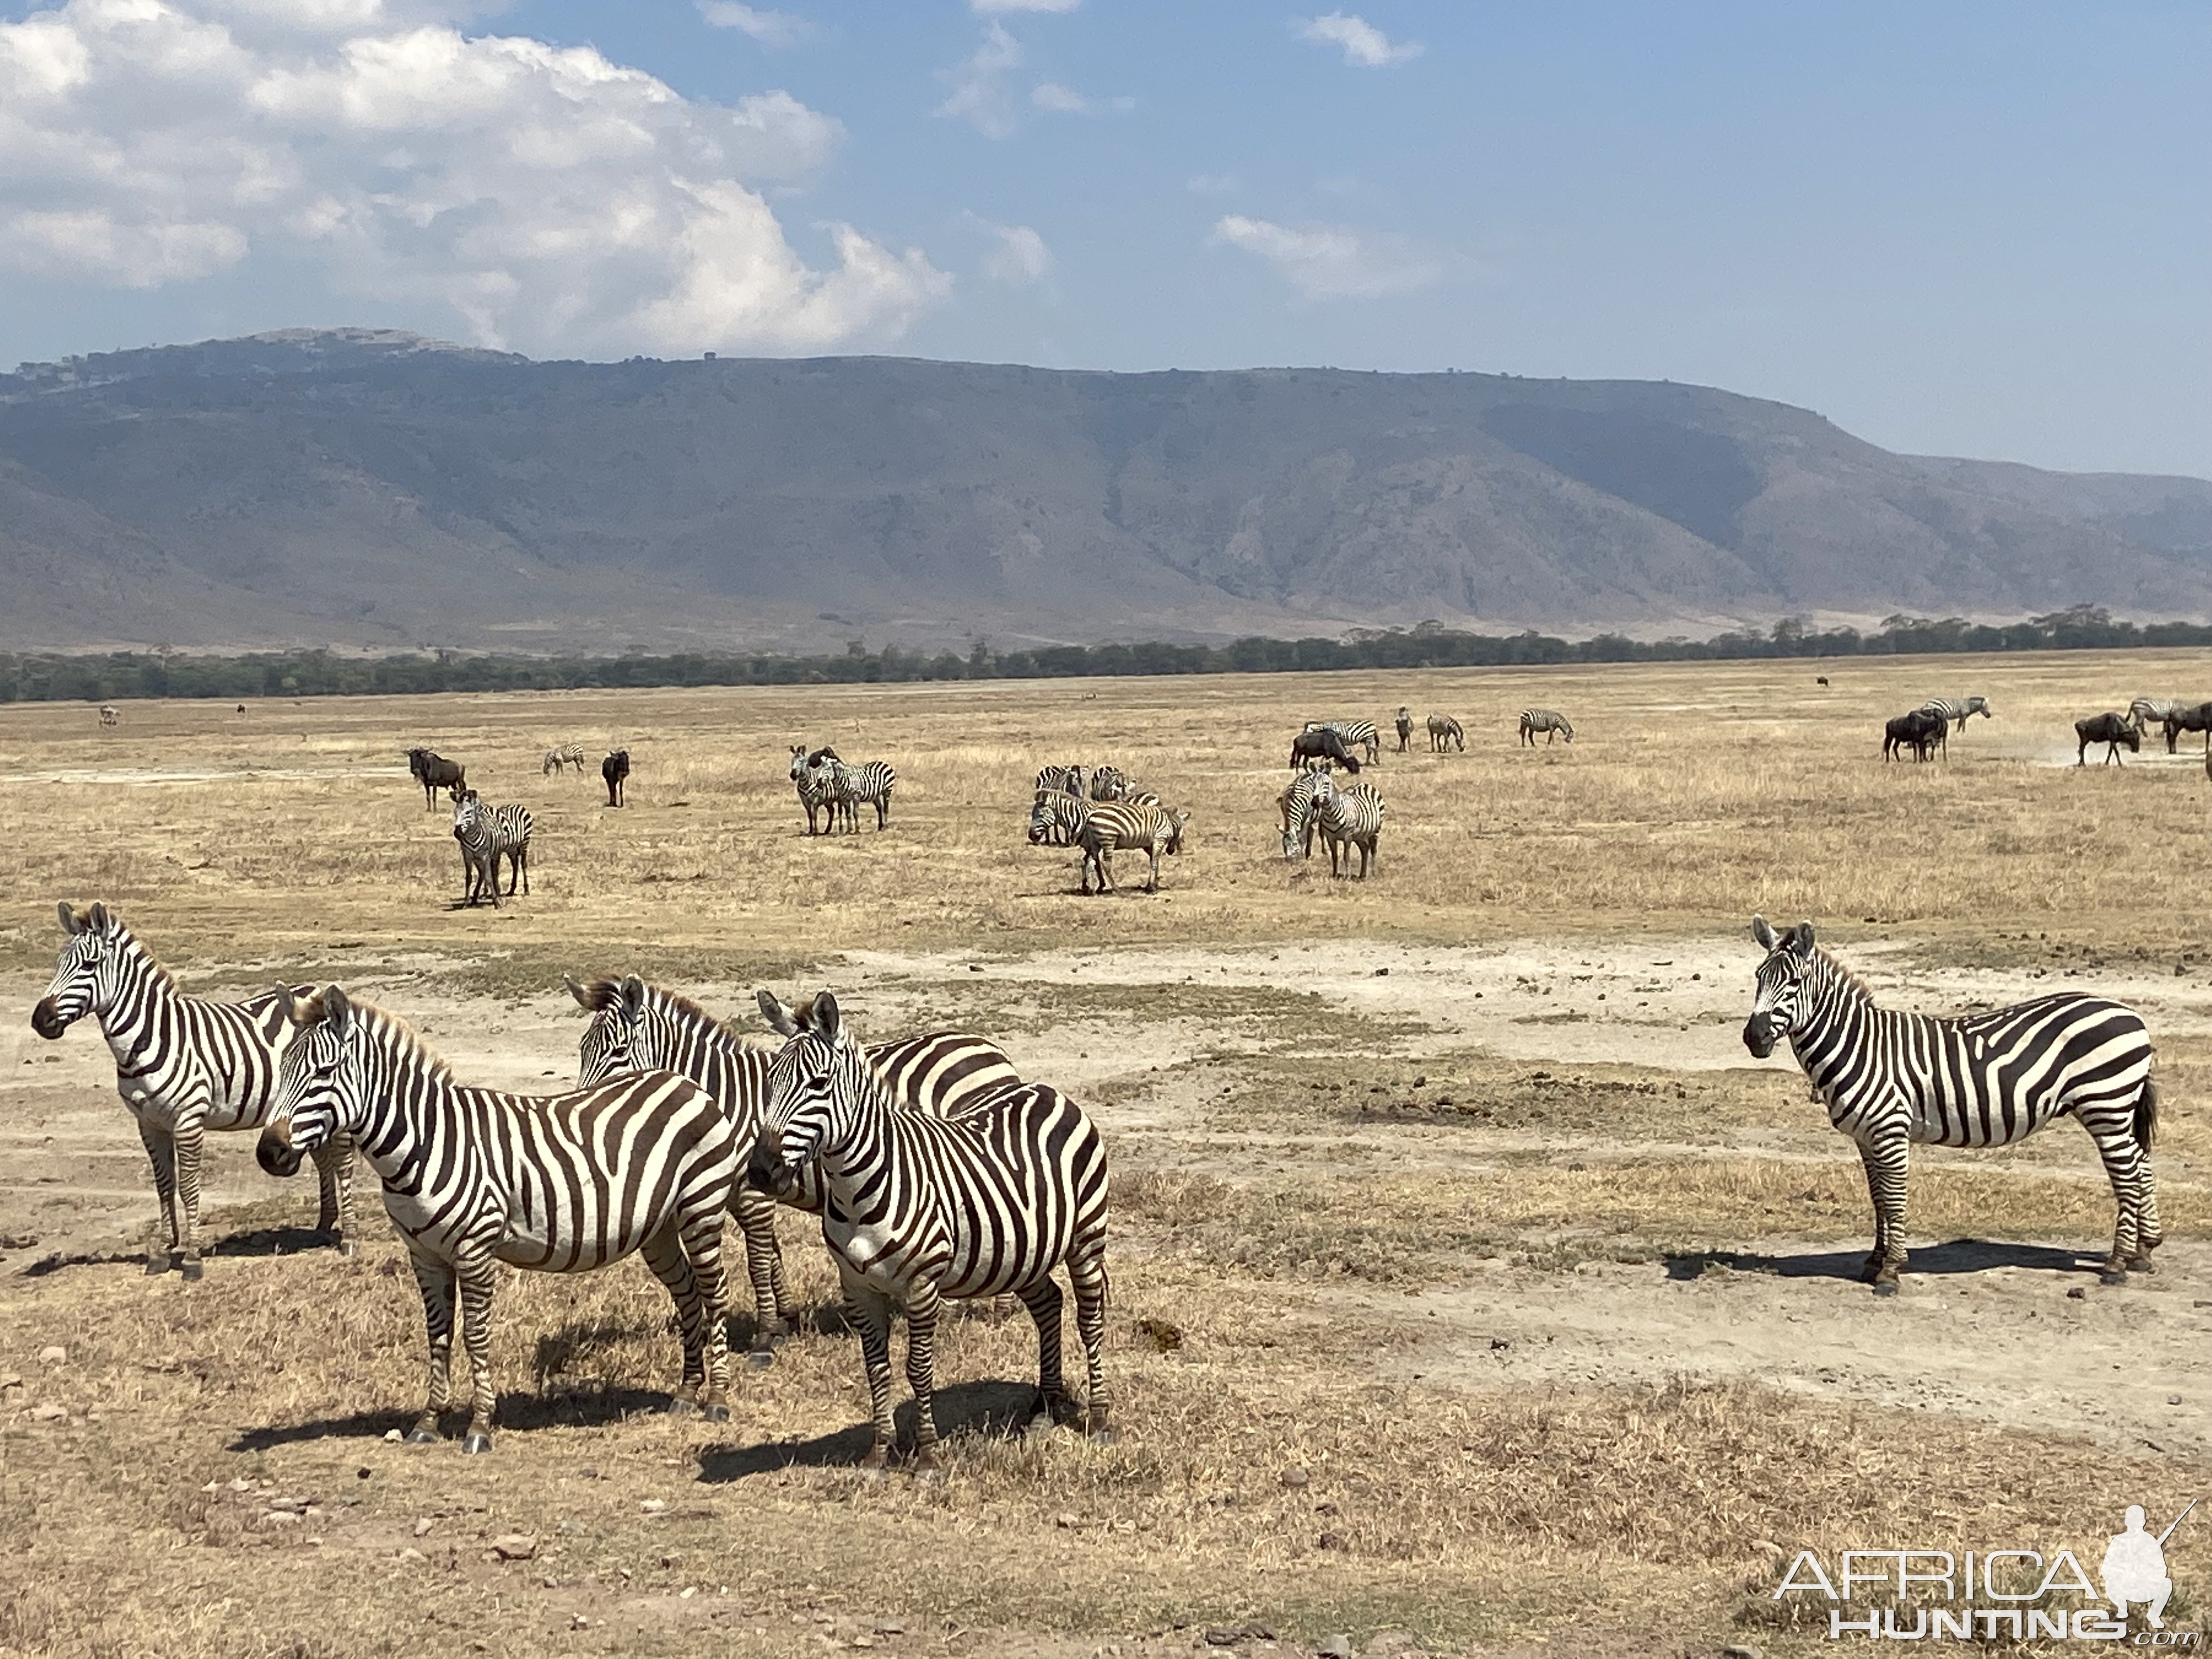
(435, 772)
(2196, 718)
(1919, 728)
(1322, 744)
(2111, 731)
(615, 768)
(1819, 679)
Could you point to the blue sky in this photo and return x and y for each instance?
(1963, 229)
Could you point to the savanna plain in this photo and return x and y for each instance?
(1474, 1291)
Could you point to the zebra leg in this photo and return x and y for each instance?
(870, 1310)
(1086, 1271)
(664, 1254)
(703, 1247)
(922, 1305)
(190, 1137)
(435, 1280)
(1043, 1301)
(755, 1217)
(477, 1280)
(2129, 1170)
(162, 1154)
(1887, 1163)
(334, 1195)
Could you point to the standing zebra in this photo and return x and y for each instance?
(1955, 710)
(810, 776)
(1889, 1078)
(1297, 804)
(1359, 734)
(109, 716)
(1547, 721)
(560, 754)
(869, 784)
(1109, 783)
(1349, 817)
(183, 1065)
(1445, 732)
(1056, 818)
(922, 1208)
(551, 1183)
(1404, 725)
(487, 833)
(1067, 779)
(2147, 712)
(636, 1026)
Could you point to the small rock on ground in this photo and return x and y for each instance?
(514, 1546)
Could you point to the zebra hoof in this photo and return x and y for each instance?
(680, 1406)
(715, 1413)
(419, 1436)
(156, 1264)
(1885, 1287)
(476, 1442)
(2142, 1264)
(1103, 1435)
(2112, 1275)
(192, 1269)
(761, 1358)
(346, 1247)
(928, 1474)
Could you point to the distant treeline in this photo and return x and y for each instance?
(52, 677)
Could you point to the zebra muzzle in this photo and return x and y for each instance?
(1758, 1035)
(46, 1019)
(275, 1153)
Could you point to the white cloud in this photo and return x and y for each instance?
(1061, 100)
(1330, 262)
(770, 28)
(993, 8)
(1364, 45)
(1210, 184)
(979, 95)
(1016, 255)
(556, 201)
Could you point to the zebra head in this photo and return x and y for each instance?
(620, 1036)
(467, 808)
(320, 1080)
(817, 1078)
(86, 977)
(1055, 816)
(1778, 989)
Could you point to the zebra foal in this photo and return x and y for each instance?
(921, 1208)
(183, 1066)
(550, 1183)
(1889, 1078)
(639, 1027)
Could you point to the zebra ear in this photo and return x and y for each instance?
(337, 1013)
(98, 920)
(583, 997)
(294, 1009)
(1801, 938)
(633, 997)
(70, 925)
(778, 1017)
(1762, 933)
(825, 1017)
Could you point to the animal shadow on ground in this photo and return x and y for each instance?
(570, 1408)
(992, 1410)
(260, 1240)
(1960, 1255)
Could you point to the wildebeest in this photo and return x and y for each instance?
(1819, 679)
(1322, 744)
(1920, 728)
(435, 772)
(2197, 718)
(615, 769)
(2111, 731)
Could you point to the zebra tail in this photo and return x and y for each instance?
(2146, 1114)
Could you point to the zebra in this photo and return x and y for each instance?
(110, 715)
(1297, 805)
(1112, 826)
(552, 1183)
(613, 772)
(1356, 733)
(1445, 732)
(1350, 817)
(486, 834)
(1955, 710)
(636, 1026)
(1056, 818)
(560, 754)
(1889, 1078)
(921, 1208)
(1548, 721)
(1109, 783)
(870, 783)
(183, 1066)
(435, 772)
(1067, 779)
(1404, 722)
(810, 778)
(2146, 712)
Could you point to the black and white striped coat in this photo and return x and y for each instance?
(2146, 712)
(1069, 780)
(636, 1026)
(560, 754)
(921, 1208)
(869, 784)
(1547, 721)
(810, 776)
(1296, 805)
(183, 1066)
(1357, 734)
(1349, 817)
(1954, 711)
(487, 835)
(1889, 1078)
(1445, 732)
(549, 1184)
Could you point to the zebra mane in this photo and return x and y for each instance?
(1844, 976)
(122, 935)
(389, 1031)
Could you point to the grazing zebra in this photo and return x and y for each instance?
(552, 1183)
(636, 1026)
(2111, 731)
(1069, 780)
(487, 833)
(1350, 817)
(1056, 818)
(560, 754)
(109, 715)
(1955, 710)
(1445, 732)
(613, 772)
(1889, 1078)
(1404, 721)
(1114, 826)
(2147, 712)
(870, 783)
(1357, 734)
(1296, 805)
(922, 1208)
(435, 772)
(1547, 721)
(183, 1066)
(810, 776)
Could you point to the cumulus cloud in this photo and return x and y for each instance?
(770, 28)
(1062, 101)
(1330, 262)
(553, 199)
(1016, 255)
(979, 95)
(1364, 45)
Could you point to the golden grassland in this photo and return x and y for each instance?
(1285, 1201)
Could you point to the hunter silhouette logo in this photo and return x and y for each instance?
(1999, 1593)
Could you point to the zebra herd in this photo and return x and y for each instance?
(1102, 811)
(938, 1171)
